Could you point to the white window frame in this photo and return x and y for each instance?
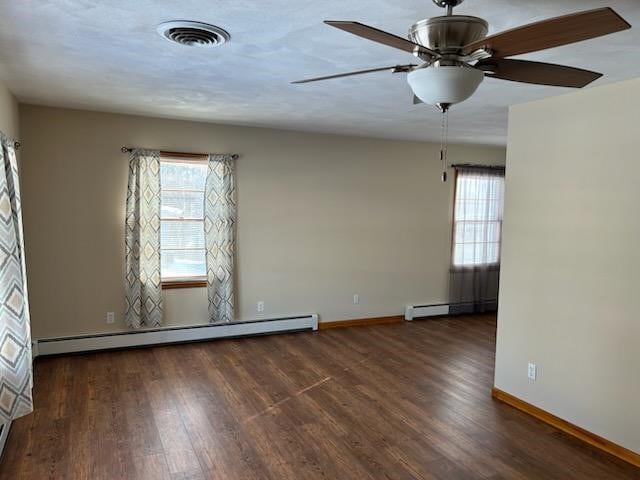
(182, 281)
(457, 223)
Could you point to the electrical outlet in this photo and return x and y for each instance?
(532, 371)
(356, 299)
(260, 306)
(111, 317)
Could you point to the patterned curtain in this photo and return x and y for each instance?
(15, 330)
(143, 288)
(219, 232)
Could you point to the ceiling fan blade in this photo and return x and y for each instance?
(551, 33)
(416, 100)
(536, 72)
(380, 36)
(393, 69)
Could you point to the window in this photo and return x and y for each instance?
(478, 217)
(182, 245)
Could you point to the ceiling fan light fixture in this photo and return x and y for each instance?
(445, 84)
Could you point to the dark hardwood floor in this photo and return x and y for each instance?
(403, 401)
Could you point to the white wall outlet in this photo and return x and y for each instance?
(260, 306)
(111, 317)
(532, 371)
(356, 299)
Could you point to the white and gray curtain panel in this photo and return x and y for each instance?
(143, 286)
(16, 376)
(219, 231)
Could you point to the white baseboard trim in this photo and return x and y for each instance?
(4, 433)
(110, 341)
(417, 311)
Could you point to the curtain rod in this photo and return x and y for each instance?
(480, 167)
(235, 156)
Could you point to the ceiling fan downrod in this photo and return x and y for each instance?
(448, 4)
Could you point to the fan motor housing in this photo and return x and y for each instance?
(448, 34)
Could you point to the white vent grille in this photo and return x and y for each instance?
(193, 34)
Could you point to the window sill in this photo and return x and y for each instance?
(186, 283)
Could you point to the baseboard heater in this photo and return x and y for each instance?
(110, 341)
(418, 311)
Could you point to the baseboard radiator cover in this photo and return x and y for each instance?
(418, 311)
(569, 428)
(171, 335)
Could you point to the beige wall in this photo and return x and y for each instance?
(571, 258)
(320, 218)
(8, 113)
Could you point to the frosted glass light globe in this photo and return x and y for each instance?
(445, 85)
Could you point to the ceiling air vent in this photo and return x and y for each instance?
(193, 34)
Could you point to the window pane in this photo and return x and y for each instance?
(478, 209)
(465, 233)
(185, 263)
(470, 254)
(478, 218)
(477, 232)
(472, 210)
(494, 209)
(493, 252)
(182, 176)
(457, 255)
(182, 241)
(181, 234)
(182, 205)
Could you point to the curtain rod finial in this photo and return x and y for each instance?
(125, 149)
(17, 145)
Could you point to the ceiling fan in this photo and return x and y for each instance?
(456, 54)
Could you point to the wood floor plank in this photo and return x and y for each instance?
(400, 401)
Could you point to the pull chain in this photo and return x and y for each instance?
(444, 142)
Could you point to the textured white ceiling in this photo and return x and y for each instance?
(107, 56)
